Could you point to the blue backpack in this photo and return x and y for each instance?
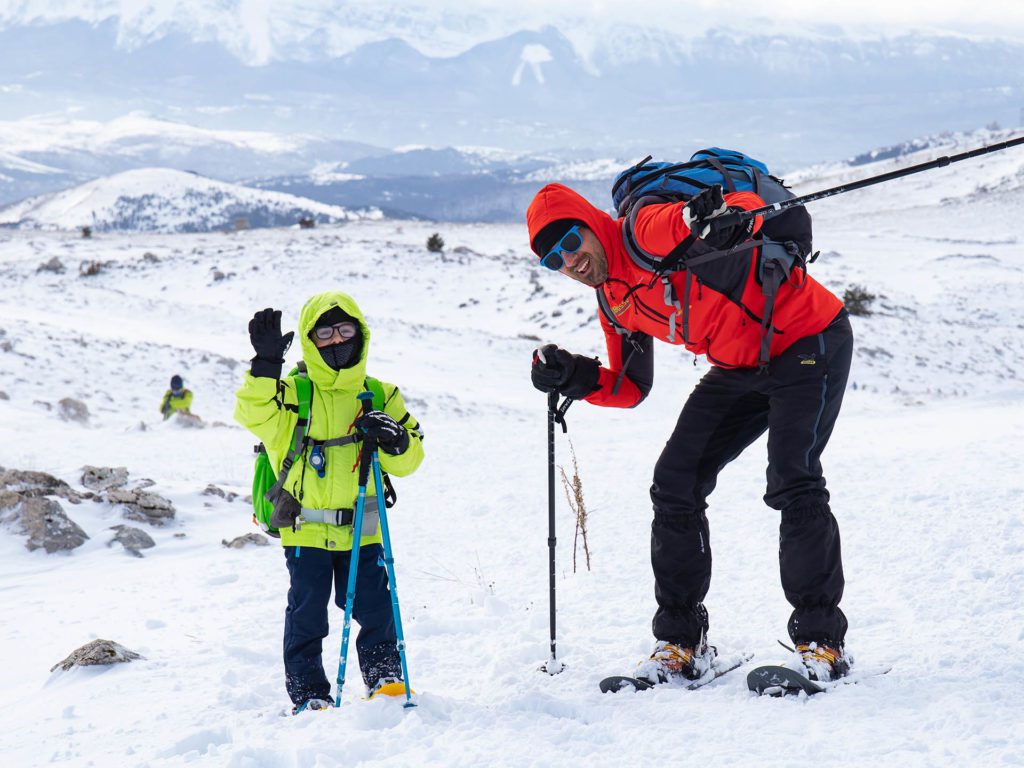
(784, 240)
(671, 182)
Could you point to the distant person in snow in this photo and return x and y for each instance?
(322, 484)
(788, 379)
(177, 398)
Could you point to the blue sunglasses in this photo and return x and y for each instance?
(570, 242)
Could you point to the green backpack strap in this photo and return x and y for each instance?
(304, 394)
(373, 385)
(266, 483)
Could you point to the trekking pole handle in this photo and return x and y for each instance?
(735, 217)
(369, 444)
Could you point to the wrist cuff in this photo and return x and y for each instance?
(263, 368)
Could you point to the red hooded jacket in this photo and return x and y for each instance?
(725, 300)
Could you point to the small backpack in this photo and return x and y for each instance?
(265, 481)
(784, 240)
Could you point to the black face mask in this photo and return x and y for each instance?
(344, 354)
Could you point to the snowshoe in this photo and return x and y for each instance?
(313, 705)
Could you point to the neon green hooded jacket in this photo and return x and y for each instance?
(170, 403)
(269, 409)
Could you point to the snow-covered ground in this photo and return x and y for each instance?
(924, 468)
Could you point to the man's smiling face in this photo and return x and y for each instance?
(588, 263)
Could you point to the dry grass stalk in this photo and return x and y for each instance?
(574, 494)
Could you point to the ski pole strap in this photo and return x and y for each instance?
(390, 494)
(560, 413)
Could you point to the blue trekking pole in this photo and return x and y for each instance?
(389, 563)
(353, 566)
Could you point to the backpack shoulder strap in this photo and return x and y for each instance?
(373, 385)
(606, 309)
(304, 395)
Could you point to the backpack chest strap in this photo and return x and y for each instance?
(334, 516)
(335, 441)
(329, 516)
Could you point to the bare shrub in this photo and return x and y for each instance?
(858, 300)
(574, 494)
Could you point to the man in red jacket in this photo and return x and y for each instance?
(779, 364)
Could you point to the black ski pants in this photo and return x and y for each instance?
(313, 572)
(797, 401)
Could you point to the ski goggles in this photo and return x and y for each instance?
(346, 330)
(570, 242)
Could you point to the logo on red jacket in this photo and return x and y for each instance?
(618, 309)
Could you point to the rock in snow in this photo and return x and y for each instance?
(132, 539)
(42, 520)
(257, 539)
(97, 653)
(70, 409)
(144, 506)
(104, 478)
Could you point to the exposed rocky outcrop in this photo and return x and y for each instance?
(41, 519)
(69, 409)
(97, 652)
(143, 506)
(28, 483)
(53, 265)
(256, 539)
(213, 490)
(132, 539)
(104, 478)
(186, 420)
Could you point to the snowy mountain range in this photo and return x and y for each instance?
(392, 77)
(164, 200)
(467, 185)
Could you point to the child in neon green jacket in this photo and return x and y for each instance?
(335, 341)
(177, 398)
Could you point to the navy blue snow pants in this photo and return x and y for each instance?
(313, 572)
(797, 401)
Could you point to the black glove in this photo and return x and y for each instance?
(555, 370)
(704, 215)
(391, 436)
(270, 345)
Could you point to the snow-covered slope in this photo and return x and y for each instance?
(924, 470)
(164, 200)
(995, 177)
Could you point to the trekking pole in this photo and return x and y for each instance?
(556, 414)
(353, 566)
(389, 563)
(941, 162)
